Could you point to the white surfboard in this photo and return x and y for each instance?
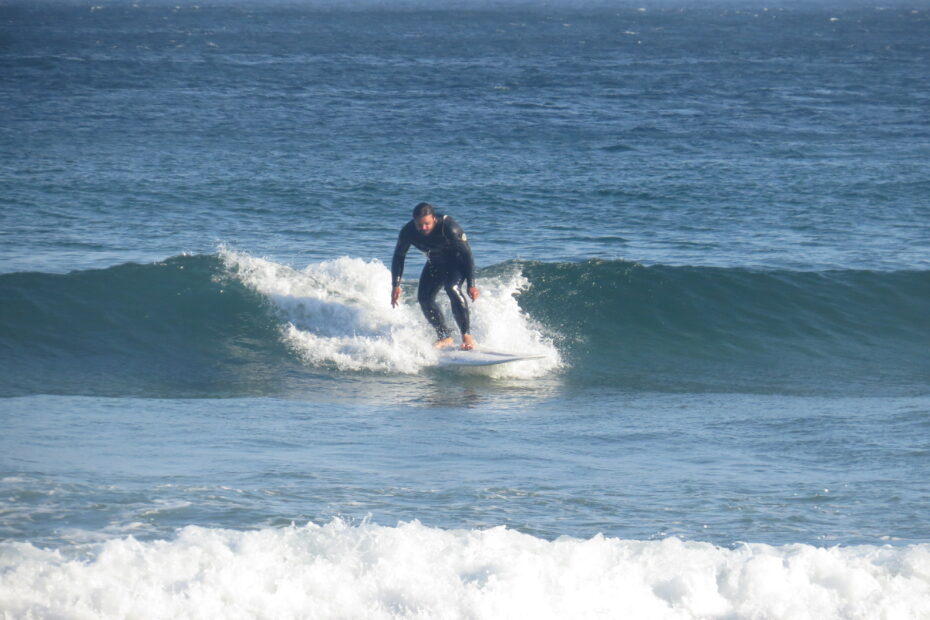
(480, 357)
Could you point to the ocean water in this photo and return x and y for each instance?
(711, 220)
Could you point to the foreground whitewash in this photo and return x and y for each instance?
(414, 571)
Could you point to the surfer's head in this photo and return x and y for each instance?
(425, 217)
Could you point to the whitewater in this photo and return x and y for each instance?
(411, 571)
(336, 315)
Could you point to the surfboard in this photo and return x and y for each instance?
(480, 357)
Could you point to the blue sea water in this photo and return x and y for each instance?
(710, 219)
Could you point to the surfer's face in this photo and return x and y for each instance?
(426, 223)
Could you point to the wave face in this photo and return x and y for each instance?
(177, 327)
(414, 571)
(231, 324)
(684, 328)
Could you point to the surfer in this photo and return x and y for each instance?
(449, 264)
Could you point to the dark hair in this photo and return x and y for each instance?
(424, 208)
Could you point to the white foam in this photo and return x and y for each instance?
(338, 314)
(500, 324)
(414, 571)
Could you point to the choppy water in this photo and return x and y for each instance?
(711, 220)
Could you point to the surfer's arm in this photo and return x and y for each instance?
(400, 254)
(397, 265)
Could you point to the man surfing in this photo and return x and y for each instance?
(449, 264)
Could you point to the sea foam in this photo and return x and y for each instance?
(414, 571)
(337, 314)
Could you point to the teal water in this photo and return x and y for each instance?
(711, 220)
(197, 326)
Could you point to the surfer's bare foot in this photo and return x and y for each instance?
(444, 343)
(468, 343)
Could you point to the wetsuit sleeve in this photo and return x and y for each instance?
(400, 254)
(459, 240)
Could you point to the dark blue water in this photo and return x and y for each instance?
(711, 220)
(714, 135)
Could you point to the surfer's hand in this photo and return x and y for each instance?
(473, 292)
(395, 295)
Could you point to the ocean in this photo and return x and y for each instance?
(710, 219)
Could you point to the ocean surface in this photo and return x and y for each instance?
(712, 220)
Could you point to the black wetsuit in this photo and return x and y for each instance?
(449, 263)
